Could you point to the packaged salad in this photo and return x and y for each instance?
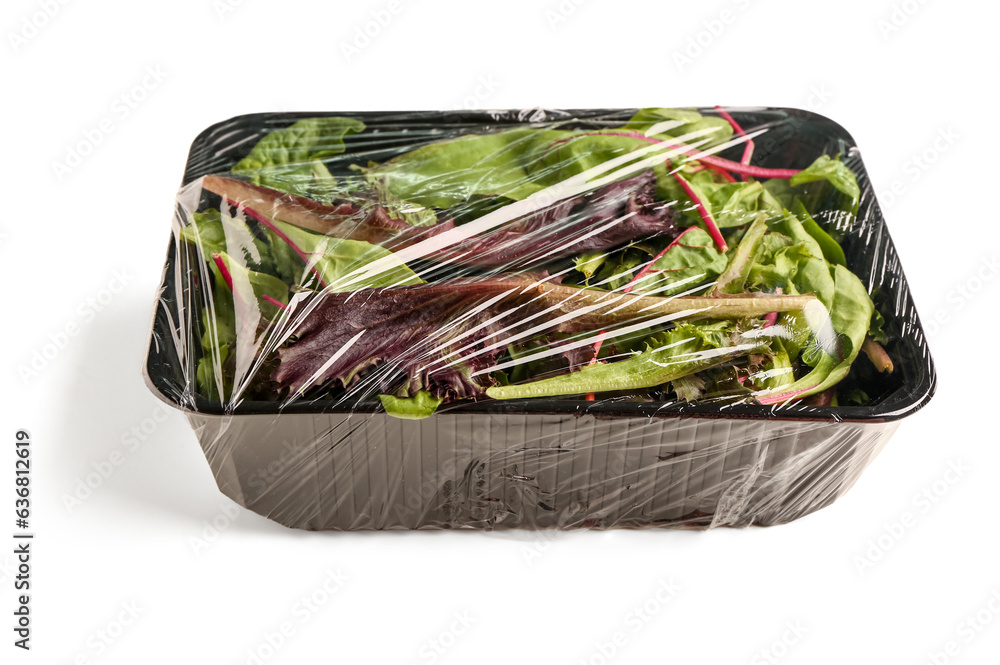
(536, 318)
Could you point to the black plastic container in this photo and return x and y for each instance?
(555, 462)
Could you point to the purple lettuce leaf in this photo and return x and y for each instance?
(612, 215)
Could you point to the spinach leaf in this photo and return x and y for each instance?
(290, 159)
(836, 173)
(849, 316)
(446, 173)
(683, 121)
(832, 251)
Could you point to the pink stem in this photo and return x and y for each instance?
(780, 397)
(276, 303)
(274, 229)
(748, 150)
(772, 318)
(224, 269)
(713, 230)
(228, 277)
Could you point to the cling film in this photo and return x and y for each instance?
(580, 281)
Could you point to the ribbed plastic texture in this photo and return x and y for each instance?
(534, 318)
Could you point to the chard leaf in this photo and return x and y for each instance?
(690, 261)
(214, 234)
(260, 285)
(332, 260)
(422, 405)
(290, 159)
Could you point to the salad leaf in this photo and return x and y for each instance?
(301, 257)
(832, 251)
(342, 220)
(608, 216)
(670, 356)
(290, 159)
(691, 260)
(850, 316)
(677, 122)
(422, 405)
(688, 388)
(836, 173)
(589, 262)
(424, 337)
(733, 279)
(876, 329)
(445, 173)
(395, 207)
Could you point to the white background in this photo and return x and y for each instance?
(64, 240)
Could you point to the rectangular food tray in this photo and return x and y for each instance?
(546, 462)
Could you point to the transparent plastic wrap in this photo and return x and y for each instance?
(535, 319)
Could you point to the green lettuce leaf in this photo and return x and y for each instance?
(679, 352)
(734, 278)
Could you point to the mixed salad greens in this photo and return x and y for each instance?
(546, 260)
